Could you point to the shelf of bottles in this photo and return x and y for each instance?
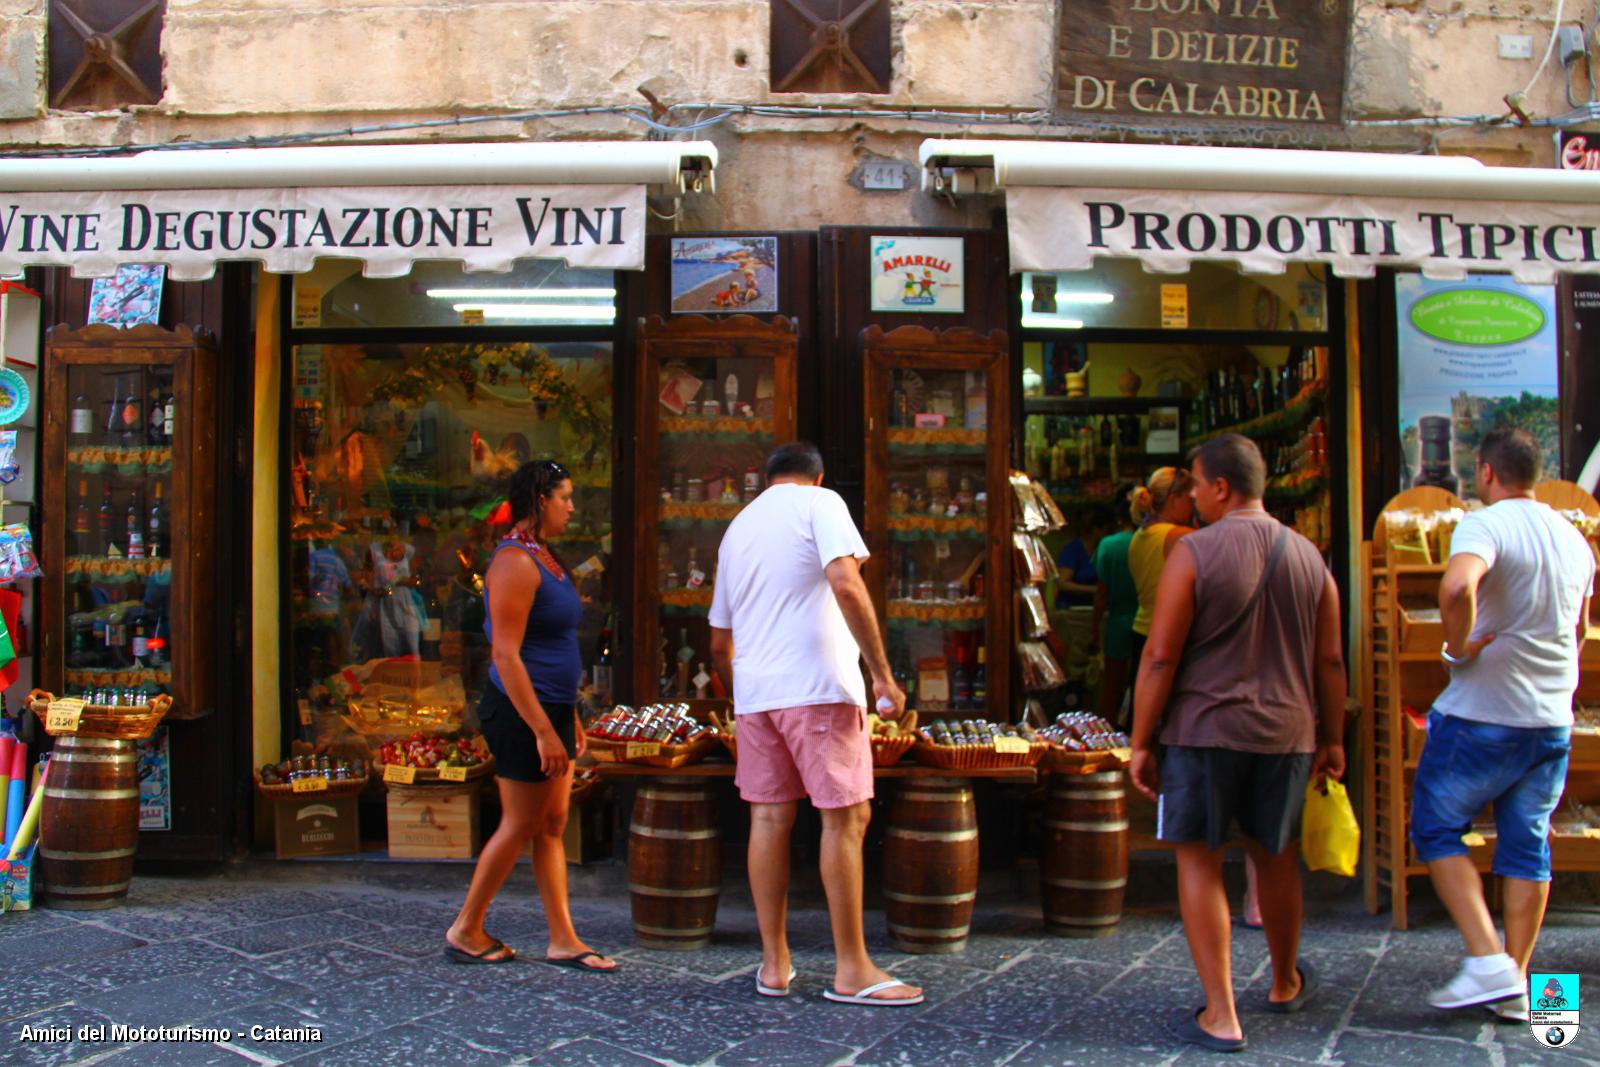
(1284, 409)
(1080, 459)
(937, 524)
(717, 424)
(119, 566)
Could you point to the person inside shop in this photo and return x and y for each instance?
(529, 719)
(791, 621)
(1514, 601)
(1116, 602)
(1073, 618)
(1163, 512)
(1242, 687)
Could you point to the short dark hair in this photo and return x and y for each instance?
(1236, 458)
(1513, 455)
(794, 457)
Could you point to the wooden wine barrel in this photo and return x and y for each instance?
(89, 823)
(930, 865)
(674, 863)
(1083, 870)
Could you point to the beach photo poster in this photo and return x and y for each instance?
(130, 297)
(1474, 355)
(918, 274)
(724, 274)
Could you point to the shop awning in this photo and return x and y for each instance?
(484, 205)
(1068, 202)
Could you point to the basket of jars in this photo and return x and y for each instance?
(656, 735)
(332, 775)
(975, 744)
(423, 759)
(1083, 743)
(126, 720)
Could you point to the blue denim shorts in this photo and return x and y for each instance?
(1466, 765)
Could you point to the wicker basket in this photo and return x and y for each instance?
(976, 757)
(430, 775)
(1068, 761)
(336, 788)
(586, 789)
(669, 756)
(731, 743)
(887, 751)
(125, 722)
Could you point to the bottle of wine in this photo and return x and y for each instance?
(80, 516)
(81, 423)
(156, 529)
(602, 664)
(128, 420)
(106, 543)
(135, 523)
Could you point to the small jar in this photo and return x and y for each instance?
(696, 491)
(710, 409)
(899, 499)
(925, 589)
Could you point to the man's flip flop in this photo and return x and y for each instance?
(1185, 1026)
(774, 991)
(865, 996)
(1309, 984)
(576, 962)
(461, 955)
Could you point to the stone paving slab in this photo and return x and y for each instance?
(357, 958)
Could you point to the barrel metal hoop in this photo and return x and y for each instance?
(963, 797)
(912, 898)
(1083, 920)
(84, 890)
(108, 854)
(933, 835)
(1088, 827)
(73, 743)
(94, 757)
(649, 793)
(1092, 794)
(662, 891)
(1086, 883)
(662, 931)
(922, 931)
(91, 794)
(670, 835)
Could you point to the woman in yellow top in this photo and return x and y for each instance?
(1163, 511)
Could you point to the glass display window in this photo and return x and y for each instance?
(1120, 294)
(335, 295)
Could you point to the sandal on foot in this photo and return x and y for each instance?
(1309, 984)
(774, 991)
(577, 962)
(866, 998)
(1185, 1026)
(461, 955)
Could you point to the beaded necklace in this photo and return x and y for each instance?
(528, 541)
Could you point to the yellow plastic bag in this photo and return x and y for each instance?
(1330, 838)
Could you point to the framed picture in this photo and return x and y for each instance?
(130, 297)
(724, 274)
(918, 274)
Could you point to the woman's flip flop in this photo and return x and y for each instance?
(461, 955)
(774, 991)
(865, 996)
(576, 962)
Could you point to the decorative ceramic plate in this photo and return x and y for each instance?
(13, 396)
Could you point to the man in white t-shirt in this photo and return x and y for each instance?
(1515, 605)
(790, 622)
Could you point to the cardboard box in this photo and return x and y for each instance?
(315, 825)
(428, 822)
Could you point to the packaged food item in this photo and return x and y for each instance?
(1407, 529)
(17, 559)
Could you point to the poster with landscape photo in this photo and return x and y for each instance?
(724, 274)
(1474, 355)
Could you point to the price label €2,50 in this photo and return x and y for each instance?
(62, 716)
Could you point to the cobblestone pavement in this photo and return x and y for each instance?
(352, 949)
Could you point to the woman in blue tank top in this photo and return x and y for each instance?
(529, 720)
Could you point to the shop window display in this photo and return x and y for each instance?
(401, 455)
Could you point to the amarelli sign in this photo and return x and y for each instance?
(388, 228)
(1064, 229)
(1214, 61)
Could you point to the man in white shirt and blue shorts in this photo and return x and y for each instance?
(1515, 605)
(790, 622)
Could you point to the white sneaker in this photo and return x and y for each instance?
(1514, 1010)
(1467, 989)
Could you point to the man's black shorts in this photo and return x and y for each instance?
(1203, 790)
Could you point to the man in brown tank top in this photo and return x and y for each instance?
(1239, 701)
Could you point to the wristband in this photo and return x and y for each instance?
(1454, 661)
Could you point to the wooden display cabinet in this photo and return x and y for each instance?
(1401, 638)
(938, 514)
(694, 472)
(130, 513)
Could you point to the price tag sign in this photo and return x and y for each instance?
(941, 549)
(452, 774)
(318, 784)
(1473, 839)
(1015, 746)
(62, 715)
(393, 772)
(639, 749)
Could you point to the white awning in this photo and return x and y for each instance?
(484, 205)
(1168, 205)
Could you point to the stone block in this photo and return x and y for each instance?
(999, 55)
(22, 61)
